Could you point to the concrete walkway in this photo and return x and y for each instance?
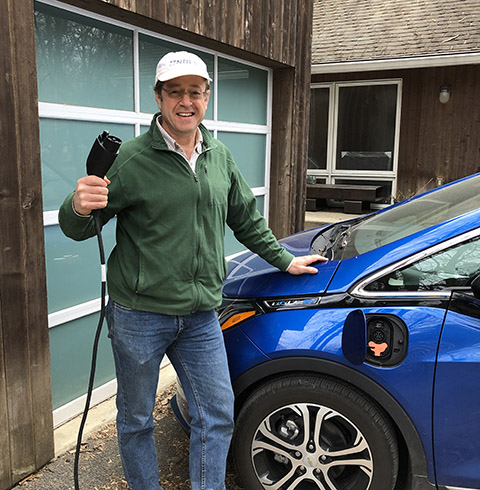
(318, 218)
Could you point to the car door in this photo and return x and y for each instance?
(446, 271)
(456, 404)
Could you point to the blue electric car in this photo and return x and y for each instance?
(365, 376)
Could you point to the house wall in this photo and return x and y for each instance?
(273, 33)
(26, 438)
(438, 142)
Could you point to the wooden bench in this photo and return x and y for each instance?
(353, 196)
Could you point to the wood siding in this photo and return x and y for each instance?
(26, 434)
(437, 141)
(290, 126)
(254, 28)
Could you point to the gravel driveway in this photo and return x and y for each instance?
(100, 467)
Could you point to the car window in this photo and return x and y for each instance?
(411, 216)
(450, 268)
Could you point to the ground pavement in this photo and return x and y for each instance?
(100, 466)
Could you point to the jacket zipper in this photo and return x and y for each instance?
(196, 304)
(196, 301)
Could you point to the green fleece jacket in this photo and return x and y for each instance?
(169, 255)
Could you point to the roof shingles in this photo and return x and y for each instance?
(357, 30)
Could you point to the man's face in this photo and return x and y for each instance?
(182, 115)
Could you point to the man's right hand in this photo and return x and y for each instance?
(91, 193)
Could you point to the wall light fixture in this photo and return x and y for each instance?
(444, 95)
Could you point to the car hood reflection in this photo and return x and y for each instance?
(250, 276)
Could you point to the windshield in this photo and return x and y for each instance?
(373, 231)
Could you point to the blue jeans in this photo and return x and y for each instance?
(194, 345)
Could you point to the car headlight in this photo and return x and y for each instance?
(235, 311)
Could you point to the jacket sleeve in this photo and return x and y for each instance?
(75, 226)
(250, 227)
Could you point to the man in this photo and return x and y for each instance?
(173, 189)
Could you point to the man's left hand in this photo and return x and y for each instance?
(300, 265)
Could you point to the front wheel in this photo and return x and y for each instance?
(314, 433)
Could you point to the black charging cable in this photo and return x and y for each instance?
(101, 157)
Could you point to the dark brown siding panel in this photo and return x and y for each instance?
(260, 28)
(302, 111)
(35, 306)
(5, 479)
(409, 126)
(158, 9)
(234, 15)
(282, 151)
(289, 143)
(439, 142)
(25, 397)
(291, 12)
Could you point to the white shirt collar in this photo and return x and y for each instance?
(173, 145)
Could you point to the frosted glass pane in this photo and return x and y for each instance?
(82, 61)
(261, 204)
(65, 146)
(232, 245)
(150, 51)
(242, 93)
(73, 268)
(70, 357)
(249, 153)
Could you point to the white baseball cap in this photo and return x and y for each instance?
(179, 64)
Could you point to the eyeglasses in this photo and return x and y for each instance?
(180, 94)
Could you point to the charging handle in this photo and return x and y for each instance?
(102, 155)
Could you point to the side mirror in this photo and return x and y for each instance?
(476, 287)
(354, 337)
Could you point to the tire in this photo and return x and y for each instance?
(271, 451)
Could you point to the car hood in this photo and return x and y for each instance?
(249, 276)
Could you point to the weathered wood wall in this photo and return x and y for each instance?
(290, 128)
(26, 432)
(437, 141)
(274, 33)
(263, 28)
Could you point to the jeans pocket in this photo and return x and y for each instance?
(121, 307)
(109, 318)
(112, 310)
